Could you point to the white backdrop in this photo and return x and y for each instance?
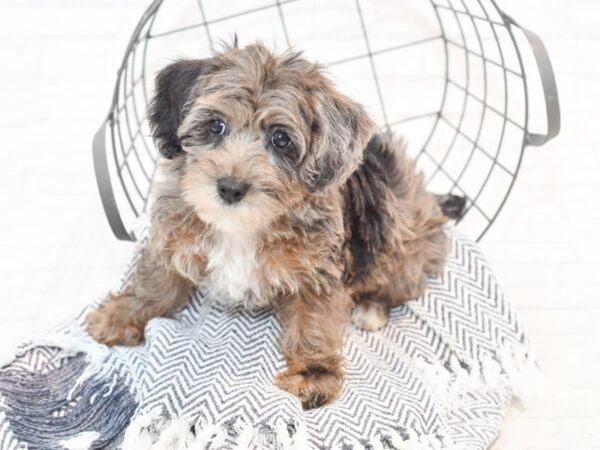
(59, 59)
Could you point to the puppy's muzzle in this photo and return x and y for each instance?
(231, 190)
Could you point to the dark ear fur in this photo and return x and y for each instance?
(173, 87)
(341, 130)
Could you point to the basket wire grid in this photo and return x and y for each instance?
(450, 75)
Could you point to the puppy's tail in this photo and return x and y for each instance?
(452, 206)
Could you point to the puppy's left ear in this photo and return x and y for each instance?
(340, 132)
(174, 85)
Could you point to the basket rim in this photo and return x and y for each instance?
(544, 68)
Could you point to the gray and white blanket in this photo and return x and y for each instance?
(440, 375)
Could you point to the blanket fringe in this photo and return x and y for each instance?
(403, 440)
(526, 378)
(83, 441)
(513, 368)
(153, 431)
(412, 441)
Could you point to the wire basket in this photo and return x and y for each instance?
(452, 76)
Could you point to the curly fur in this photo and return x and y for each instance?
(328, 223)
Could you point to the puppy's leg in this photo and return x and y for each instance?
(314, 328)
(408, 287)
(370, 314)
(152, 292)
(426, 256)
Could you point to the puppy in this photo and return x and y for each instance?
(277, 190)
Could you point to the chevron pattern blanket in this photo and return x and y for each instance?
(440, 375)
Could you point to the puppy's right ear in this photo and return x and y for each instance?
(174, 85)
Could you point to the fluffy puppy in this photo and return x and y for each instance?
(277, 190)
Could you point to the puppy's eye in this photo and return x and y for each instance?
(217, 126)
(280, 139)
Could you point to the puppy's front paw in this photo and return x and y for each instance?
(113, 324)
(314, 386)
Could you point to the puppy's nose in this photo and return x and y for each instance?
(231, 190)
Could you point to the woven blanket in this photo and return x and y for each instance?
(441, 374)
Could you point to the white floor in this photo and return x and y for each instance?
(59, 59)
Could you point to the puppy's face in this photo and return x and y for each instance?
(254, 134)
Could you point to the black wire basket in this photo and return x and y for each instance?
(457, 78)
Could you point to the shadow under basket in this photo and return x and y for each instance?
(467, 86)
